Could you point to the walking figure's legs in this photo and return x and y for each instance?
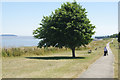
(104, 53)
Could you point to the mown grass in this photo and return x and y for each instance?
(59, 64)
(114, 48)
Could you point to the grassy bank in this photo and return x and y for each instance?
(114, 48)
(0, 63)
(29, 51)
(59, 64)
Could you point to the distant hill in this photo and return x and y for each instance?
(8, 35)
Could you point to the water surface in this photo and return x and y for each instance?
(18, 41)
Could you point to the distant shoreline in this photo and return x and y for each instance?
(8, 35)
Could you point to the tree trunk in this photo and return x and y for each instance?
(73, 52)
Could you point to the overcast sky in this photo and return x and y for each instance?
(21, 18)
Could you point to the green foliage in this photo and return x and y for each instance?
(114, 36)
(67, 26)
(106, 37)
(11, 52)
(119, 37)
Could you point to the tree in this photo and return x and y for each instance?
(119, 39)
(67, 26)
(114, 36)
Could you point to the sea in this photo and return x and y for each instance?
(18, 41)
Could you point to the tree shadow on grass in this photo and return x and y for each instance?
(55, 58)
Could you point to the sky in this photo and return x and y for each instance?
(119, 17)
(21, 18)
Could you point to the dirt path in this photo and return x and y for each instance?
(102, 68)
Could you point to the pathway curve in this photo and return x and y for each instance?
(102, 68)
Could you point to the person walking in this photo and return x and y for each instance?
(105, 51)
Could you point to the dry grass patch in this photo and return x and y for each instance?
(57, 65)
(114, 48)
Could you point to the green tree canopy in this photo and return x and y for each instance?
(114, 36)
(119, 37)
(67, 26)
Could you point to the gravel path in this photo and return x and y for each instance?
(102, 68)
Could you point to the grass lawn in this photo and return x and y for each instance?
(114, 48)
(0, 64)
(57, 65)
